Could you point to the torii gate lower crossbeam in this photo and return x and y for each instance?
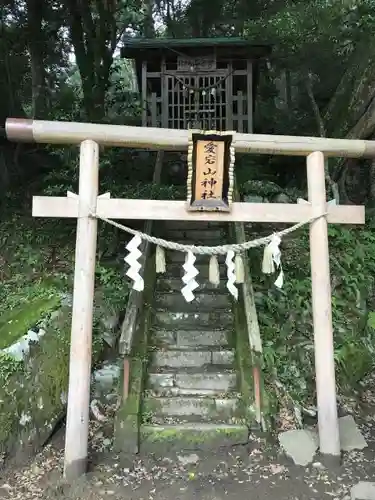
(87, 204)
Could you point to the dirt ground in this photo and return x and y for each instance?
(258, 470)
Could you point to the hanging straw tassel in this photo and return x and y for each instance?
(214, 271)
(160, 260)
(240, 270)
(268, 266)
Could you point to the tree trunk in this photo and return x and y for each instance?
(322, 132)
(148, 23)
(94, 38)
(36, 44)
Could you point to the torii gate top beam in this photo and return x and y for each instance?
(55, 132)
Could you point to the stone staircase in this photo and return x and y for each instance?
(191, 399)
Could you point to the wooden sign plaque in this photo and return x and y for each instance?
(210, 178)
(203, 63)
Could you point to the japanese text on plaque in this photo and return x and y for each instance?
(209, 170)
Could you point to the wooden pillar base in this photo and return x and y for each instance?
(75, 469)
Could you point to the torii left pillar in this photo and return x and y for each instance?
(77, 424)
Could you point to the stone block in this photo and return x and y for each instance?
(191, 383)
(171, 284)
(177, 359)
(350, 436)
(161, 380)
(104, 381)
(216, 235)
(364, 490)
(193, 320)
(223, 357)
(174, 270)
(165, 337)
(202, 302)
(300, 445)
(161, 439)
(222, 382)
(192, 225)
(206, 338)
(188, 406)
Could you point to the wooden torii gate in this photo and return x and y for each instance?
(88, 202)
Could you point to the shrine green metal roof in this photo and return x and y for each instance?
(133, 47)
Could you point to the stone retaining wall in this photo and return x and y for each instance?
(33, 386)
(34, 380)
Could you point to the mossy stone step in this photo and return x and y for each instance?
(220, 381)
(192, 320)
(182, 339)
(173, 284)
(202, 302)
(217, 235)
(192, 358)
(212, 407)
(175, 270)
(179, 257)
(166, 437)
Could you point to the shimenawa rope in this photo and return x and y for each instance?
(207, 250)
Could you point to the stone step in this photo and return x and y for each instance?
(160, 419)
(202, 302)
(197, 241)
(167, 392)
(175, 270)
(191, 338)
(199, 225)
(167, 437)
(192, 358)
(164, 284)
(193, 320)
(221, 381)
(179, 258)
(197, 235)
(192, 405)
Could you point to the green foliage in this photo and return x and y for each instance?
(8, 366)
(286, 317)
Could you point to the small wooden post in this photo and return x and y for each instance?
(322, 312)
(77, 426)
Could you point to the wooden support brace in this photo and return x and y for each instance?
(77, 424)
(322, 311)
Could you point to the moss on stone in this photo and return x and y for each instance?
(129, 416)
(16, 322)
(244, 359)
(32, 394)
(162, 440)
(154, 434)
(34, 391)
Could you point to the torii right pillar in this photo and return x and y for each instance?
(329, 437)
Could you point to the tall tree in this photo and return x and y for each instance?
(93, 33)
(37, 49)
(96, 28)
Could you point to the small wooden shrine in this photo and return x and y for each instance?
(206, 84)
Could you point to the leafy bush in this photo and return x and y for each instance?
(285, 315)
